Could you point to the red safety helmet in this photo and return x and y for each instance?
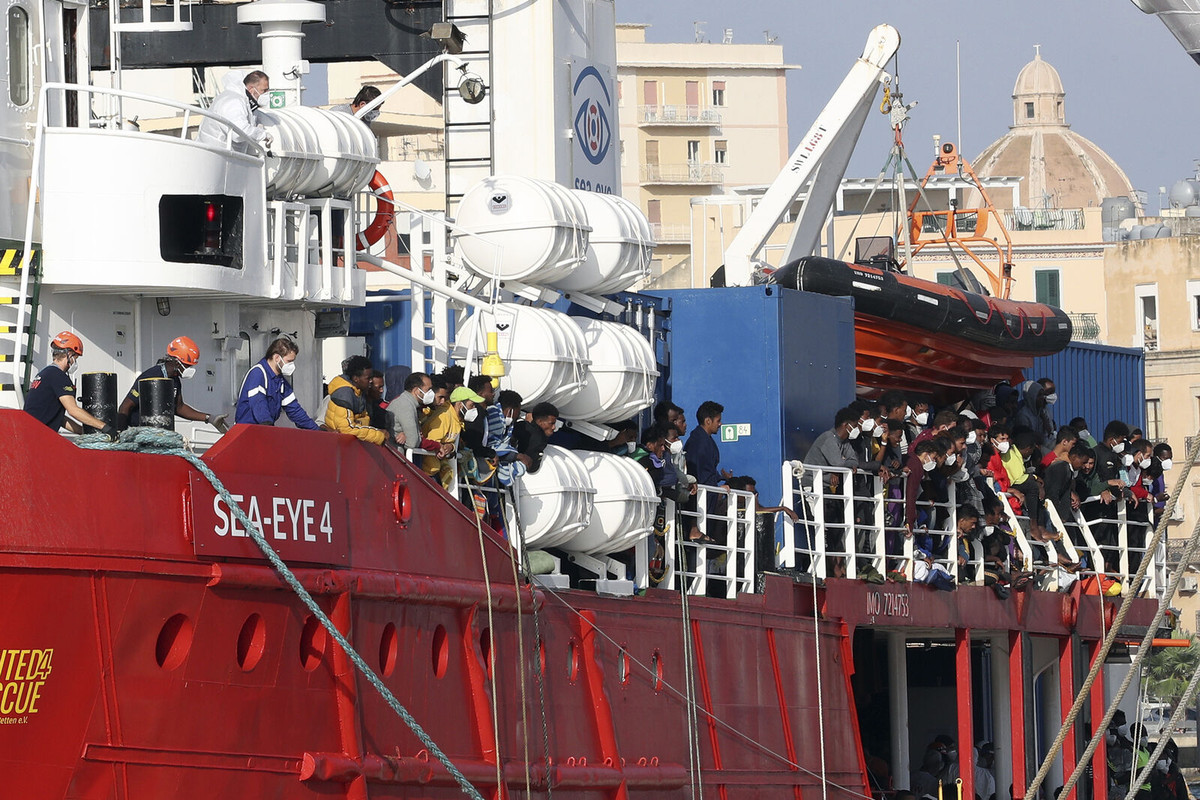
(185, 350)
(67, 341)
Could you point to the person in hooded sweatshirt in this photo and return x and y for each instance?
(237, 103)
(1034, 413)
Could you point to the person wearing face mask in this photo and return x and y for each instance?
(444, 426)
(51, 398)
(475, 432)
(406, 410)
(1139, 463)
(266, 391)
(1159, 490)
(923, 459)
(833, 448)
(178, 365)
(1105, 486)
(365, 95)
(237, 102)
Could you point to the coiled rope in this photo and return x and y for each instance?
(153, 441)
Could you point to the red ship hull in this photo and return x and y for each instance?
(152, 655)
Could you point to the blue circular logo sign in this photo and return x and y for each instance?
(593, 130)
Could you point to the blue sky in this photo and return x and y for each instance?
(1130, 87)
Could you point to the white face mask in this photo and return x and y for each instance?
(558, 425)
(74, 365)
(1051, 399)
(508, 421)
(929, 465)
(878, 432)
(287, 367)
(1083, 434)
(1127, 460)
(867, 425)
(988, 530)
(1162, 765)
(187, 372)
(427, 397)
(951, 459)
(1145, 463)
(676, 447)
(1166, 464)
(972, 438)
(1119, 447)
(470, 415)
(1001, 447)
(922, 418)
(854, 432)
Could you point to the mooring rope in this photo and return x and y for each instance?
(154, 441)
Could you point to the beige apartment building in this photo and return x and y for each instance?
(696, 120)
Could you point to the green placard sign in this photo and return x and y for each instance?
(276, 99)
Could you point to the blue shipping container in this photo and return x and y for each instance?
(1097, 382)
(780, 361)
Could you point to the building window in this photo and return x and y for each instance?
(1047, 287)
(719, 148)
(718, 89)
(1153, 419)
(693, 151)
(18, 56)
(1146, 316)
(1029, 111)
(1193, 293)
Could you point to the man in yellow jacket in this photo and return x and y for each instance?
(443, 425)
(347, 411)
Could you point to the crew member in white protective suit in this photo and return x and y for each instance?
(237, 103)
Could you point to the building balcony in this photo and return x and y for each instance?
(689, 174)
(671, 233)
(1085, 328)
(1043, 219)
(678, 115)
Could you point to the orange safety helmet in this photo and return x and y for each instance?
(185, 350)
(67, 341)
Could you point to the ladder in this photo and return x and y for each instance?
(19, 295)
(469, 140)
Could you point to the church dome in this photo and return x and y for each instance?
(1061, 169)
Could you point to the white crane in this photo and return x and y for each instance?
(821, 157)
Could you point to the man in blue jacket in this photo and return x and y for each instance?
(266, 390)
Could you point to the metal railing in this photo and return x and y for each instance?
(678, 115)
(686, 173)
(725, 568)
(674, 233)
(1084, 327)
(1043, 219)
(854, 522)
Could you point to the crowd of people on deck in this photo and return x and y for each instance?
(1127, 750)
(998, 448)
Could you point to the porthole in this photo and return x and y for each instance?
(441, 652)
(174, 641)
(251, 642)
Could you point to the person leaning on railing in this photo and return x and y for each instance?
(1105, 486)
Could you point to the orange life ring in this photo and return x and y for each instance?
(385, 211)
